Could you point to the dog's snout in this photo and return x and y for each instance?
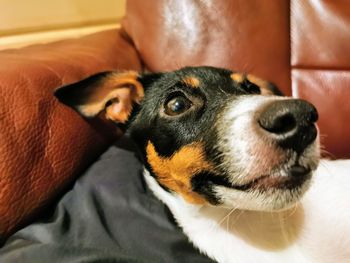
(290, 122)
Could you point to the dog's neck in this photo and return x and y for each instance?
(204, 224)
(230, 235)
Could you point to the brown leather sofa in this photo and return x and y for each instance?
(301, 45)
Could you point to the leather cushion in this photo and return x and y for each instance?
(42, 142)
(329, 92)
(320, 34)
(320, 62)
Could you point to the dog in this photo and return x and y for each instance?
(236, 162)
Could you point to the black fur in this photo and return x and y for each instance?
(169, 133)
(204, 182)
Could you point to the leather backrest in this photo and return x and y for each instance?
(300, 45)
(320, 66)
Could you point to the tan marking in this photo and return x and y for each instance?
(191, 81)
(122, 89)
(238, 77)
(262, 84)
(176, 171)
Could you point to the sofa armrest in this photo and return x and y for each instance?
(44, 144)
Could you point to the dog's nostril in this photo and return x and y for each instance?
(278, 124)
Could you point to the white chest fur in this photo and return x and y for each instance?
(315, 230)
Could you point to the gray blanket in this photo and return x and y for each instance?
(108, 216)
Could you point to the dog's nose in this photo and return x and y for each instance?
(291, 123)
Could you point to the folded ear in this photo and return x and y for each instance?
(114, 93)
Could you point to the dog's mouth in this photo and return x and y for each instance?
(286, 179)
(289, 179)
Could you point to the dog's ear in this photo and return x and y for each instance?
(111, 92)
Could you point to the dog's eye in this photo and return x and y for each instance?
(177, 105)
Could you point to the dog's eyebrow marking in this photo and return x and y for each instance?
(238, 77)
(262, 84)
(191, 81)
(176, 172)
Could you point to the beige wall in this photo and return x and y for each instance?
(24, 22)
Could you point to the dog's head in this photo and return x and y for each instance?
(210, 135)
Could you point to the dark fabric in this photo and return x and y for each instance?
(109, 216)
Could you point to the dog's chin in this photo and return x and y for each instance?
(277, 191)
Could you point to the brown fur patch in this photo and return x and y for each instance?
(176, 171)
(122, 89)
(191, 81)
(238, 77)
(262, 84)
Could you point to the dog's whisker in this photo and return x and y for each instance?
(227, 215)
(323, 164)
(326, 153)
(228, 223)
(291, 211)
(237, 218)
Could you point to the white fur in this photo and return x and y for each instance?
(249, 152)
(315, 230)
